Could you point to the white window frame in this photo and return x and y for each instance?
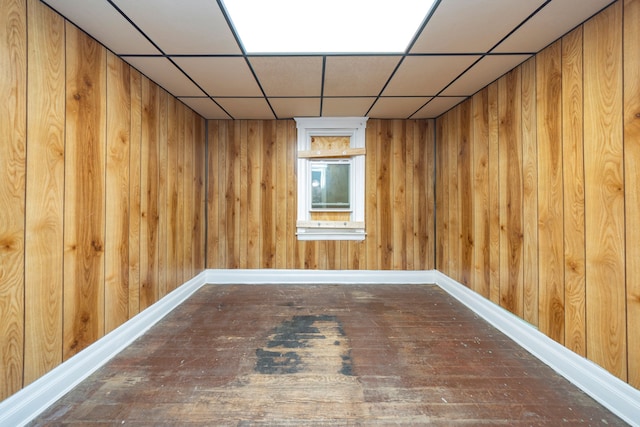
(354, 128)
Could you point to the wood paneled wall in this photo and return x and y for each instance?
(537, 191)
(252, 197)
(101, 189)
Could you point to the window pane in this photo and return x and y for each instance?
(330, 185)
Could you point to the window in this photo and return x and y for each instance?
(330, 182)
(331, 171)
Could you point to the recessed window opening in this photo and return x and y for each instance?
(326, 26)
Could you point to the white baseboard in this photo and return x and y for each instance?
(25, 405)
(619, 397)
(613, 393)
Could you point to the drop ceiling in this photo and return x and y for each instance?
(189, 48)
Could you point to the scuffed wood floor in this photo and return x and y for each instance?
(236, 355)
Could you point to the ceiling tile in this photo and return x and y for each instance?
(484, 72)
(205, 107)
(112, 29)
(221, 76)
(426, 75)
(551, 23)
(396, 108)
(346, 107)
(247, 108)
(185, 26)
(165, 74)
(438, 106)
(289, 76)
(287, 108)
(459, 26)
(357, 75)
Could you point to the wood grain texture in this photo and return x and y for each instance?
(84, 232)
(135, 153)
(453, 138)
(117, 193)
(13, 87)
(494, 194)
(573, 191)
(550, 207)
(163, 124)
(604, 191)
(510, 174)
(149, 183)
(631, 37)
(481, 281)
(172, 202)
(529, 192)
(45, 192)
(465, 194)
(441, 197)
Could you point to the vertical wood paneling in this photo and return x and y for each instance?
(162, 193)
(494, 193)
(465, 189)
(149, 178)
(281, 193)
(371, 200)
(181, 240)
(550, 207)
(481, 281)
(399, 202)
(267, 195)
(453, 131)
(573, 189)
(510, 174)
(13, 87)
(383, 192)
(188, 196)
(78, 134)
(604, 191)
(135, 194)
(84, 232)
(171, 207)
(442, 198)
(117, 193)
(45, 192)
(529, 192)
(631, 37)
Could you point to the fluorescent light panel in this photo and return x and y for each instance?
(327, 26)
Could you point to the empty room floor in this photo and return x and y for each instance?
(320, 355)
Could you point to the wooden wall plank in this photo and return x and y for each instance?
(494, 193)
(426, 207)
(465, 193)
(84, 234)
(481, 281)
(215, 129)
(631, 37)
(45, 192)
(453, 139)
(135, 146)
(550, 207)
(510, 171)
(149, 176)
(171, 206)
(412, 155)
(398, 172)
(199, 217)
(162, 193)
(13, 87)
(442, 197)
(117, 193)
(267, 195)
(232, 194)
(604, 191)
(181, 239)
(254, 220)
(188, 200)
(282, 194)
(529, 192)
(371, 199)
(573, 190)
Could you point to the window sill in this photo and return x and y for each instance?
(330, 230)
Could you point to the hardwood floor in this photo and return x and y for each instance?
(235, 355)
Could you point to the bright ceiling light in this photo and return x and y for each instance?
(327, 26)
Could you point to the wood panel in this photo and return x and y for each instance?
(84, 232)
(562, 189)
(604, 191)
(135, 191)
(252, 221)
(45, 192)
(189, 194)
(573, 191)
(631, 37)
(453, 136)
(481, 280)
(13, 87)
(77, 137)
(172, 202)
(550, 207)
(465, 199)
(149, 183)
(117, 193)
(529, 192)
(510, 175)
